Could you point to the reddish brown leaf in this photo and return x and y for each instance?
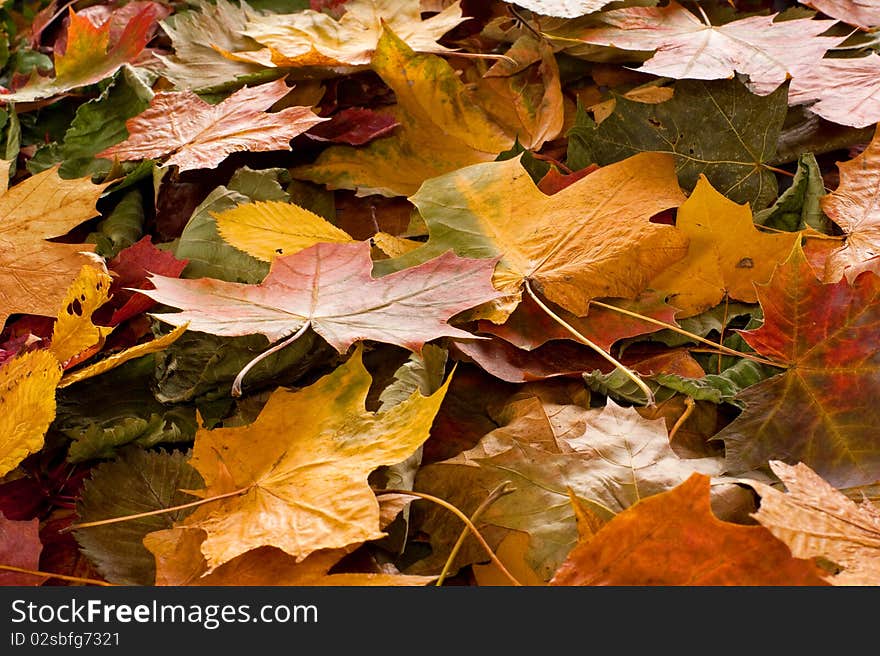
(554, 181)
(354, 126)
(196, 135)
(823, 411)
(672, 538)
(130, 269)
(20, 546)
(530, 327)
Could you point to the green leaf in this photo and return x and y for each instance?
(798, 206)
(123, 227)
(98, 124)
(100, 420)
(620, 387)
(719, 388)
(137, 481)
(744, 129)
(201, 367)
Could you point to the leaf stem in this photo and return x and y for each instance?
(585, 340)
(458, 513)
(688, 411)
(504, 489)
(236, 384)
(160, 511)
(52, 575)
(777, 170)
(681, 331)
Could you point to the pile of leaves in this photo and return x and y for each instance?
(401, 292)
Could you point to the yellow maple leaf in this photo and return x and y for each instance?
(27, 405)
(296, 478)
(726, 253)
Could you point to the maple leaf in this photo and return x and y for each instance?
(563, 8)
(744, 127)
(816, 520)
(820, 411)
(35, 273)
(861, 13)
(840, 90)
(330, 288)
(442, 128)
(311, 38)
(673, 538)
(88, 57)
(855, 207)
(180, 562)
(766, 50)
(307, 491)
(270, 229)
(20, 546)
(592, 239)
(727, 254)
(27, 396)
(196, 135)
(354, 126)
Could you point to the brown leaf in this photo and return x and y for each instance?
(196, 135)
(814, 519)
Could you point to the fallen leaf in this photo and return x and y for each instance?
(685, 46)
(354, 126)
(563, 8)
(816, 520)
(673, 538)
(308, 491)
(89, 57)
(27, 395)
(20, 546)
(34, 272)
(129, 269)
(198, 39)
(861, 13)
(592, 239)
(271, 229)
(727, 254)
(311, 38)
(329, 287)
(839, 90)
(820, 410)
(179, 561)
(137, 481)
(442, 128)
(191, 134)
(745, 129)
(855, 207)
(75, 337)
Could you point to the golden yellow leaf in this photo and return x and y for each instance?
(27, 405)
(116, 359)
(727, 254)
(35, 273)
(301, 468)
(74, 332)
(511, 552)
(179, 561)
(592, 239)
(442, 128)
(394, 246)
(267, 229)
